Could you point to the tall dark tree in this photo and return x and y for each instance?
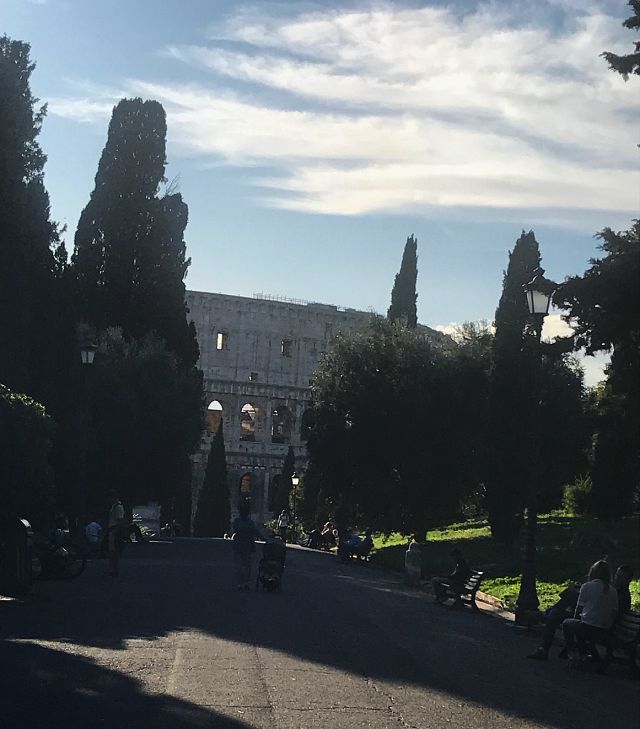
(629, 64)
(213, 515)
(129, 266)
(403, 295)
(31, 257)
(130, 255)
(603, 307)
(280, 487)
(510, 393)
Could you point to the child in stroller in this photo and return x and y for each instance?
(271, 566)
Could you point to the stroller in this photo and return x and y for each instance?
(271, 566)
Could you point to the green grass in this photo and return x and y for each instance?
(567, 545)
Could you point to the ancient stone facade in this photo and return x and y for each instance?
(258, 356)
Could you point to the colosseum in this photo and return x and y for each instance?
(258, 356)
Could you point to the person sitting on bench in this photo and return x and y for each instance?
(360, 548)
(454, 583)
(595, 613)
(554, 617)
(328, 536)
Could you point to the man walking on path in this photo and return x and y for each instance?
(244, 535)
(115, 532)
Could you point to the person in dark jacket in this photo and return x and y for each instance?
(455, 581)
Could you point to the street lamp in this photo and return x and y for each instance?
(295, 480)
(88, 353)
(538, 294)
(87, 356)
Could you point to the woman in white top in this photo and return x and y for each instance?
(595, 614)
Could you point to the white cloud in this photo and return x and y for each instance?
(393, 109)
(555, 326)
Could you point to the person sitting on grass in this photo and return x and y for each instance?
(622, 580)
(455, 581)
(595, 614)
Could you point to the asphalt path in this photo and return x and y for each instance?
(172, 644)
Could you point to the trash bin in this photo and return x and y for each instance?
(16, 557)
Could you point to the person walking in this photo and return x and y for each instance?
(243, 545)
(283, 525)
(115, 533)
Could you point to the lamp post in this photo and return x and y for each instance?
(538, 293)
(87, 356)
(295, 480)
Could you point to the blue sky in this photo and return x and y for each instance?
(309, 139)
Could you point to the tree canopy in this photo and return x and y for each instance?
(602, 306)
(392, 444)
(31, 257)
(130, 256)
(630, 63)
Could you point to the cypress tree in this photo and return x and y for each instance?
(129, 265)
(130, 256)
(403, 295)
(31, 256)
(214, 511)
(509, 395)
(288, 469)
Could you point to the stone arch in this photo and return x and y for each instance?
(281, 419)
(248, 421)
(215, 413)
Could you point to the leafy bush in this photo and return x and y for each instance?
(25, 444)
(577, 497)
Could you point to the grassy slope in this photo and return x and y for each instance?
(566, 548)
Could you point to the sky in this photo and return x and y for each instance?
(309, 139)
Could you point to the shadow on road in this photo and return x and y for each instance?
(51, 689)
(343, 617)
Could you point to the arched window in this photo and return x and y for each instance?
(215, 412)
(280, 424)
(248, 420)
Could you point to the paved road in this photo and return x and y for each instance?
(171, 644)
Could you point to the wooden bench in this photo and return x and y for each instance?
(468, 592)
(624, 639)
